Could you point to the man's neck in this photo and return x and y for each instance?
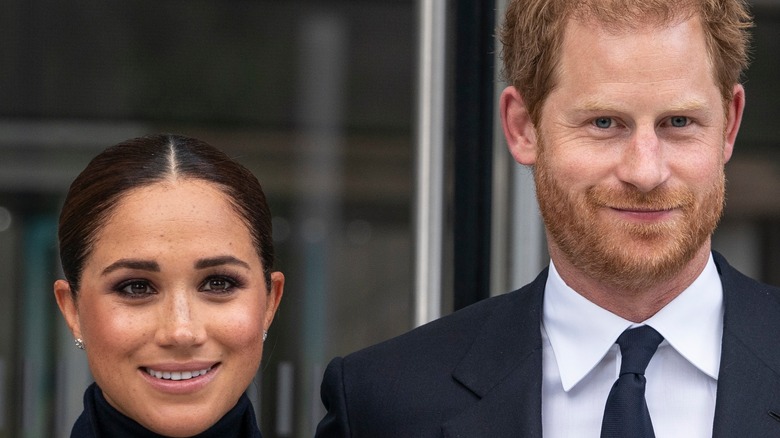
(633, 305)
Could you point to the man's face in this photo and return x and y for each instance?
(630, 152)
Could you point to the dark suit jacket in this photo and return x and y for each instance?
(478, 372)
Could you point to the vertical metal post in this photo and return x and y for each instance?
(319, 156)
(472, 128)
(429, 216)
(502, 171)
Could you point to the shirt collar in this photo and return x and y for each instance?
(581, 332)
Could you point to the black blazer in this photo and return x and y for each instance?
(478, 371)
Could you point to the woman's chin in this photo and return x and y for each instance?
(179, 427)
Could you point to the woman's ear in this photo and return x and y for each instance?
(273, 297)
(519, 130)
(67, 304)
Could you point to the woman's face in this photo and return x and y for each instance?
(172, 306)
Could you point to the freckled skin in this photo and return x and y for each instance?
(174, 224)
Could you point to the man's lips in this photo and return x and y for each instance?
(640, 209)
(645, 213)
(644, 210)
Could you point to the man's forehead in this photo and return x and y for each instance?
(620, 16)
(601, 67)
(576, 30)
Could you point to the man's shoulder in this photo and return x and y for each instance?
(448, 337)
(447, 331)
(736, 283)
(414, 383)
(748, 379)
(751, 317)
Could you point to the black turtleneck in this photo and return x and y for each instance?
(101, 420)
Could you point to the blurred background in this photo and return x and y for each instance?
(371, 125)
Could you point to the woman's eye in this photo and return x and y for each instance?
(135, 289)
(603, 122)
(679, 121)
(218, 285)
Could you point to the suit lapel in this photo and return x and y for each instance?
(503, 367)
(748, 397)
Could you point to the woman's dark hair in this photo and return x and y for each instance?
(143, 161)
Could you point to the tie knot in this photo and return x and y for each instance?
(637, 346)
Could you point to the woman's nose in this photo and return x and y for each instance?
(180, 324)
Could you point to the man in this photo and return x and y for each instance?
(627, 111)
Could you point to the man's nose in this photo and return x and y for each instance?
(643, 163)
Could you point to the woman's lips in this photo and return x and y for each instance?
(176, 375)
(180, 379)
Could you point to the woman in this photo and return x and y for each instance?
(166, 247)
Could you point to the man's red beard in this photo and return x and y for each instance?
(627, 255)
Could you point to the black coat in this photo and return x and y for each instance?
(101, 420)
(478, 372)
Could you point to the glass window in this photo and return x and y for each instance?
(315, 97)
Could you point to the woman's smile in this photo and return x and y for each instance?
(173, 305)
(176, 375)
(166, 246)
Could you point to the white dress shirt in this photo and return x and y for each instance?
(581, 360)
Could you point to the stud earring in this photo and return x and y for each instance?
(265, 335)
(79, 343)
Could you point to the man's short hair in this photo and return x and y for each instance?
(533, 34)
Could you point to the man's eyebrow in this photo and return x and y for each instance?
(143, 265)
(220, 260)
(598, 105)
(592, 105)
(689, 105)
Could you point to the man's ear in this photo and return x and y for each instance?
(733, 119)
(64, 297)
(519, 130)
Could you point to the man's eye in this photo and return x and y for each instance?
(603, 122)
(679, 121)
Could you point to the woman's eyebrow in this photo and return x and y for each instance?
(144, 265)
(220, 260)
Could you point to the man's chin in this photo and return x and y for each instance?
(637, 263)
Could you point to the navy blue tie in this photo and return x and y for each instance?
(626, 413)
